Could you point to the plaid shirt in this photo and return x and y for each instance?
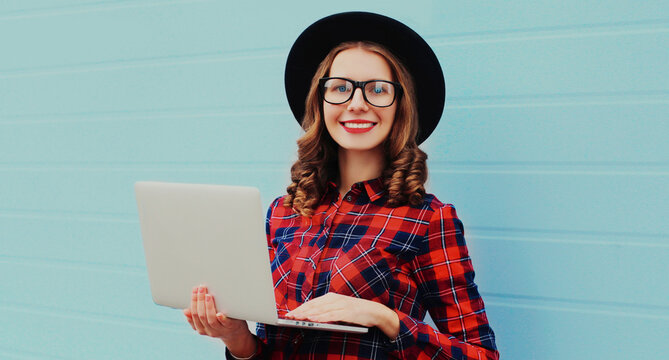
(412, 259)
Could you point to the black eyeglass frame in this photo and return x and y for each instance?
(359, 84)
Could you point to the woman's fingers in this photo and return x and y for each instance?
(326, 303)
(331, 316)
(201, 311)
(212, 320)
(204, 318)
(189, 317)
(299, 312)
(193, 310)
(224, 320)
(322, 308)
(312, 313)
(335, 307)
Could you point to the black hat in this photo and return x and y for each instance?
(317, 40)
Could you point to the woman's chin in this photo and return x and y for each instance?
(358, 143)
(359, 148)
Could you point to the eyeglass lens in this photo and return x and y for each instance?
(377, 93)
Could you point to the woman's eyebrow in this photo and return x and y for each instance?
(370, 79)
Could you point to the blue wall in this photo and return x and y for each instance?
(553, 148)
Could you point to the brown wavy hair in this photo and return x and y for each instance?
(405, 170)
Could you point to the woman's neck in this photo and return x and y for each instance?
(356, 166)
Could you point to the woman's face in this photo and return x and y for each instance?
(355, 124)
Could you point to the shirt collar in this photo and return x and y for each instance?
(374, 188)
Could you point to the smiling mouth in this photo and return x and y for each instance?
(358, 125)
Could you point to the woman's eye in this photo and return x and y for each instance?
(341, 88)
(380, 89)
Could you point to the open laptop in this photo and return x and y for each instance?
(214, 235)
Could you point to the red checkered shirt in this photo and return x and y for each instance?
(412, 259)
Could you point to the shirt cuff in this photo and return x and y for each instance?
(256, 355)
(405, 337)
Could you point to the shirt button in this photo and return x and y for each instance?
(349, 198)
(297, 339)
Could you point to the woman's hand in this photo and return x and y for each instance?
(336, 307)
(203, 318)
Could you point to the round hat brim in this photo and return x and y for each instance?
(317, 40)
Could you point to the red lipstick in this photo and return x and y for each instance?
(357, 126)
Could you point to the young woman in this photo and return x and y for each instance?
(357, 239)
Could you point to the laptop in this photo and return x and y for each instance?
(213, 235)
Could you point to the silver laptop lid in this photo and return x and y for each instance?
(196, 234)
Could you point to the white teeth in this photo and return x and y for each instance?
(358, 125)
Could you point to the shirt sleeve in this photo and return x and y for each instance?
(445, 278)
(277, 202)
(260, 352)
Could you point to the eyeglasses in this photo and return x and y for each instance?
(379, 93)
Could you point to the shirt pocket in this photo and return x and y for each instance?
(363, 273)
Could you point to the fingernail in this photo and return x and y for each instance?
(207, 297)
(201, 289)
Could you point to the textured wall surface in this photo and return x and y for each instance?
(553, 148)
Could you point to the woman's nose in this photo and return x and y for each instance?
(357, 102)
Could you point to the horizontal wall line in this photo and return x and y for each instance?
(570, 240)
(633, 310)
(131, 165)
(255, 169)
(570, 99)
(658, 165)
(550, 172)
(569, 95)
(517, 168)
(633, 28)
(73, 264)
(144, 63)
(87, 216)
(618, 168)
(97, 6)
(559, 104)
(582, 163)
(140, 116)
(71, 6)
(661, 22)
(545, 299)
(148, 168)
(482, 230)
(20, 353)
(117, 319)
